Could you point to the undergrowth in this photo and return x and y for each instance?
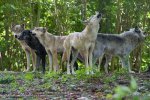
(50, 81)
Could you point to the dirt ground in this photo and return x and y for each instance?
(29, 86)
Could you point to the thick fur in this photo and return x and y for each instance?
(52, 44)
(82, 41)
(17, 29)
(119, 45)
(34, 43)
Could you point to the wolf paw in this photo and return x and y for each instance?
(68, 72)
(28, 69)
(24, 70)
(132, 72)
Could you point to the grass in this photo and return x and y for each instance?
(6, 79)
(51, 84)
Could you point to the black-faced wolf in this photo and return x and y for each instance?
(34, 43)
(17, 29)
(119, 45)
(83, 41)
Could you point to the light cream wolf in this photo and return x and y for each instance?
(83, 42)
(17, 29)
(120, 45)
(52, 44)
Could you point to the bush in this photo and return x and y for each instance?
(7, 79)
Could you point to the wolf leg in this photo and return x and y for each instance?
(86, 61)
(99, 62)
(68, 52)
(91, 57)
(108, 59)
(28, 59)
(74, 58)
(63, 60)
(43, 63)
(126, 63)
(38, 59)
(34, 60)
(50, 60)
(55, 60)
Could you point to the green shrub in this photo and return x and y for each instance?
(125, 91)
(29, 76)
(6, 79)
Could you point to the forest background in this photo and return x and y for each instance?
(62, 17)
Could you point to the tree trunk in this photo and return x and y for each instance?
(118, 23)
(118, 30)
(35, 16)
(83, 10)
(136, 62)
(1, 65)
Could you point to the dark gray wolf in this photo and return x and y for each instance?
(83, 41)
(34, 43)
(17, 29)
(52, 44)
(119, 45)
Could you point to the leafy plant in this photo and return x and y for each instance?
(124, 91)
(29, 76)
(6, 79)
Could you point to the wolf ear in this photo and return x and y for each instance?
(23, 26)
(137, 29)
(96, 12)
(12, 25)
(85, 22)
(44, 29)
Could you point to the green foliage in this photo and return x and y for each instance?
(81, 74)
(124, 91)
(122, 71)
(29, 76)
(51, 75)
(65, 78)
(109, 79)
(6, 79)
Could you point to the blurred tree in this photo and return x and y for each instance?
(65, 16)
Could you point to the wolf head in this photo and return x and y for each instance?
(39, 31)
(17, 29)
(26, 35)
(93, 20)
(137, 31)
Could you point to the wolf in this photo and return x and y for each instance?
(120, 45)
(52, 44)
(17, 29)
(34, 43)
(82, 41)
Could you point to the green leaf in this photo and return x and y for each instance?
(133, 84)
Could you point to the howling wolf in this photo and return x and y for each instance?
(83, 41)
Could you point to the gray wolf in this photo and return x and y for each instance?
(52, 44)
(83, 41)
(17, 29)
(119, 45)
(34, 43)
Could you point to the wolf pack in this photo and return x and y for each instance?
(88, 45)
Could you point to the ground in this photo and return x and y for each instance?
(52, 86)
